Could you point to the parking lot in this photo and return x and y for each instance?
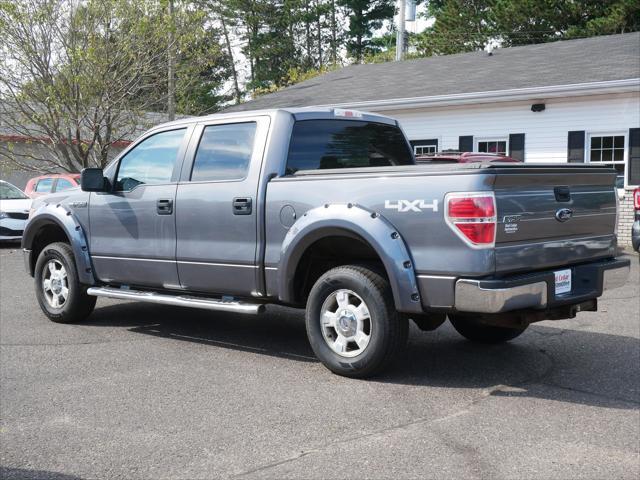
(146, 391)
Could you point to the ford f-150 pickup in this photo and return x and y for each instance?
(326, 209)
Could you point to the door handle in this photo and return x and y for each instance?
(242, 206)
(164, 207)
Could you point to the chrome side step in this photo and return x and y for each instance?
(177, 300)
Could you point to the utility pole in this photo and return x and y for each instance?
(400, 31)
(171, 66)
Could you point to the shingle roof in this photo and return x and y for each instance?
(595, 59)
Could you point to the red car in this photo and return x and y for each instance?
(465, 157)
(45, 184)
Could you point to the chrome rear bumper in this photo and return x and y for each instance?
(537, 291)
(472, 297)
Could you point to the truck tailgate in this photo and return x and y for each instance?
(554, 215)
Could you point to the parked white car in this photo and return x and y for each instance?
(14, 211)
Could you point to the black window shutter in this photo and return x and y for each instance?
(633, 168)
(516, 146)
(575, 147)
(465, 143)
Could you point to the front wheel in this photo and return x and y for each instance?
(61, 296)
(481, 333)
(352, 323)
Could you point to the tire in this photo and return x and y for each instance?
(481, 333)
(367, 310)
(50, 285)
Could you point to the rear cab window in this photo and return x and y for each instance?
(330, 144)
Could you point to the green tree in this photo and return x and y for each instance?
(460, 26)
(468, 25)
(536, 21)
(78, 76)
(364, 18)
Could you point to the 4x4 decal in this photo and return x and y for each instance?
(411, 205)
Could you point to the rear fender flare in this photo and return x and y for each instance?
(341, 219)
(61, 216)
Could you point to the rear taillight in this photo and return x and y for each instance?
(636, 199)
(472, 216)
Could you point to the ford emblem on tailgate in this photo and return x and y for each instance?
(564, 214)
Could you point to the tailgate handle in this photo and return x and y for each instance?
(563, 194)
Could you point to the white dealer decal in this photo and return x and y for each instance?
(411, 205)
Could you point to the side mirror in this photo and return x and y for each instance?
(92, 180)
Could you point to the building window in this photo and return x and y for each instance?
(608, 149)
(424, 149)
(492, 145)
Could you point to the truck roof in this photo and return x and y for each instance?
(300, 113)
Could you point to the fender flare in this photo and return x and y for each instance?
(373, 228)
(59, 215)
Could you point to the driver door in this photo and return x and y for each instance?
(132, 227)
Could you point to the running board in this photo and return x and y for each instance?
(177, 300)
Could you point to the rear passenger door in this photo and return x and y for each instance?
(216, 207)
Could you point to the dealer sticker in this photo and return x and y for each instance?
(563, 281)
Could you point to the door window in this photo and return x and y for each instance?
(224, 152)
(44, 185)
(63, 184)
(151, 161)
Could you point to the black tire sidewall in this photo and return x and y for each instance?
(74, 303)
(375, 352)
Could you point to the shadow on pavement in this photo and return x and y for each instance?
(23, 474)
(578, 366)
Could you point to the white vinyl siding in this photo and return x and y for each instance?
(545, 132)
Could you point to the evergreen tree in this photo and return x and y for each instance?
(364, 18)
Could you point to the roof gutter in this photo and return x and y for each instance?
(509, 95)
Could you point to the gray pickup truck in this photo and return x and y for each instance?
(326, 209)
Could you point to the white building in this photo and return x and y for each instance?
(573, 100)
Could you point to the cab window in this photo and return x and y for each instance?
(224, 152)
(63, 184)
(44, 185)
(151, 161)
(321, 144)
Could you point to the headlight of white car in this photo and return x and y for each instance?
(3, 215)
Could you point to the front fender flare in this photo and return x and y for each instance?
(59, 215)
(373, 228)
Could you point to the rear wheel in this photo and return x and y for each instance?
(61, 296)
(481, 333)
(352, 323)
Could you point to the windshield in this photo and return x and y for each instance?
(9, 192)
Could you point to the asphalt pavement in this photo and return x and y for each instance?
(151, 392)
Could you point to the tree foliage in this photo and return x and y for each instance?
(365, 17)
(467, 25)
(78, 77)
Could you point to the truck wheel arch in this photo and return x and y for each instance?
(361, 224)
(53, 223)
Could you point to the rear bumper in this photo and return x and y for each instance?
(537, 290)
